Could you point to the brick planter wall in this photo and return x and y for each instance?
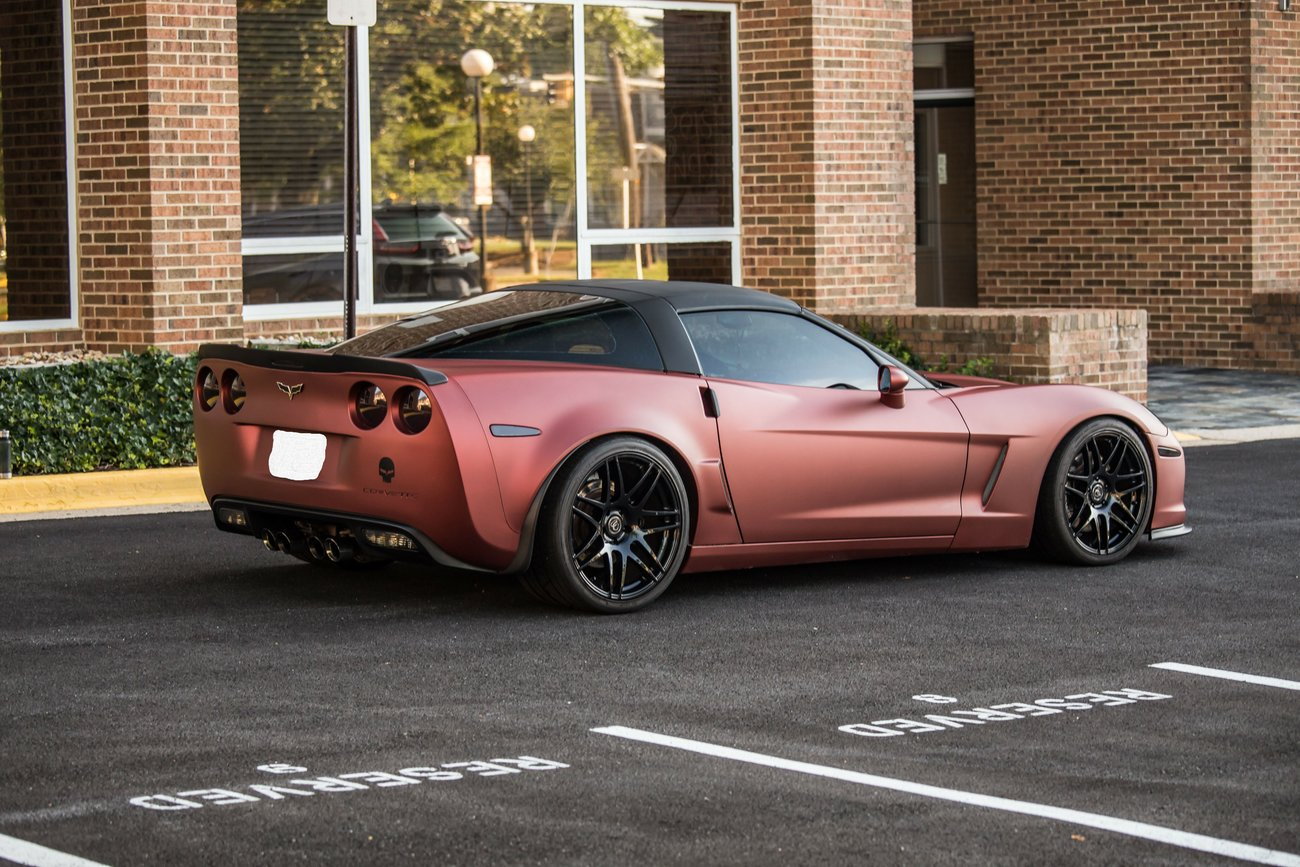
(1092, 347)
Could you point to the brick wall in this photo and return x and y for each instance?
(158, 172)
(826, 165)
(1275, 140)
(35, 171)
(1114, 161)
(1107, 348)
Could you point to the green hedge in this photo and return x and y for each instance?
(890, 341)
(128, 412)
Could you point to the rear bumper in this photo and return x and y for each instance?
(304, 522)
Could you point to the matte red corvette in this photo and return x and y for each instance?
(599, 437)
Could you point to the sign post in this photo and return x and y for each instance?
(350, 14)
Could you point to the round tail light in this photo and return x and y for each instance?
(234, 392)
(414, 410)
(369, 405)
(209, 390)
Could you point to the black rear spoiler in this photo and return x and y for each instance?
(319, 362)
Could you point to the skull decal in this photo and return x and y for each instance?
(387, 469)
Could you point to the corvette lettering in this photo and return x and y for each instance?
(308, 786)
(978, 716)
(405, 495)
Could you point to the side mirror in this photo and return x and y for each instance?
(892, 381)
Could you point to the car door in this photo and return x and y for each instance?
(810, 448)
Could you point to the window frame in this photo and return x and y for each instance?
(73, 319)
(586, 238)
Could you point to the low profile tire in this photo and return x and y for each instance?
(1097, 495)
(613, 529)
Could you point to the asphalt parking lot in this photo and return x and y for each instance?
(177, 695)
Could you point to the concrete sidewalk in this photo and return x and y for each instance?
(1204, 407)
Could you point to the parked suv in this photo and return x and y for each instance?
(420, 254)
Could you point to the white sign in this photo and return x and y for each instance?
(296, 456)
(352, 13)
(482, 180)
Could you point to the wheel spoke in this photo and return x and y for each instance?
(581, 514)
(673, 526)
(654, 560)
(1132, 517)
(1076, 491)
(622, 572)
(651, 475)
(594, 558)
(1128, 528)
(1102, 546)
(661, 513)
(1116, 450)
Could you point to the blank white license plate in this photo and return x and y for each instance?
(297, 456)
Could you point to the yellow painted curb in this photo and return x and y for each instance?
(107, 490)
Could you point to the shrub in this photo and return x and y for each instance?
(889, 340)
(128, 412)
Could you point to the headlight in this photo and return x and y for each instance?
(414, 410)
(369, 405)
(209, 389)
(234, 392)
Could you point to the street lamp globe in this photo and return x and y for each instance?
(527, 133)
(476, 63)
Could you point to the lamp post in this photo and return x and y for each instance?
(526, 136)
(476, 63)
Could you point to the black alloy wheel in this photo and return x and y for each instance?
(613, 529)
(1097, 496)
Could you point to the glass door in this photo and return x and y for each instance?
(944, 85)
(945, 206)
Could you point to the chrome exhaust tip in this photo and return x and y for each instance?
(268, 539)
(316, 548)
(283, 541)
(338, 552)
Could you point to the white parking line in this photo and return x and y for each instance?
(22, 852)
(1173, 837)
(1228, 675)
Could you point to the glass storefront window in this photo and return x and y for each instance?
(422, 129)
(701, 262)
(293, 278)
(290, 119)
(659, 130)
(35, 272)
(653, 103)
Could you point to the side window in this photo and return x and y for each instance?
(613, 336)
(776, 347)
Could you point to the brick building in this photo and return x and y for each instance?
(1070, 188)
